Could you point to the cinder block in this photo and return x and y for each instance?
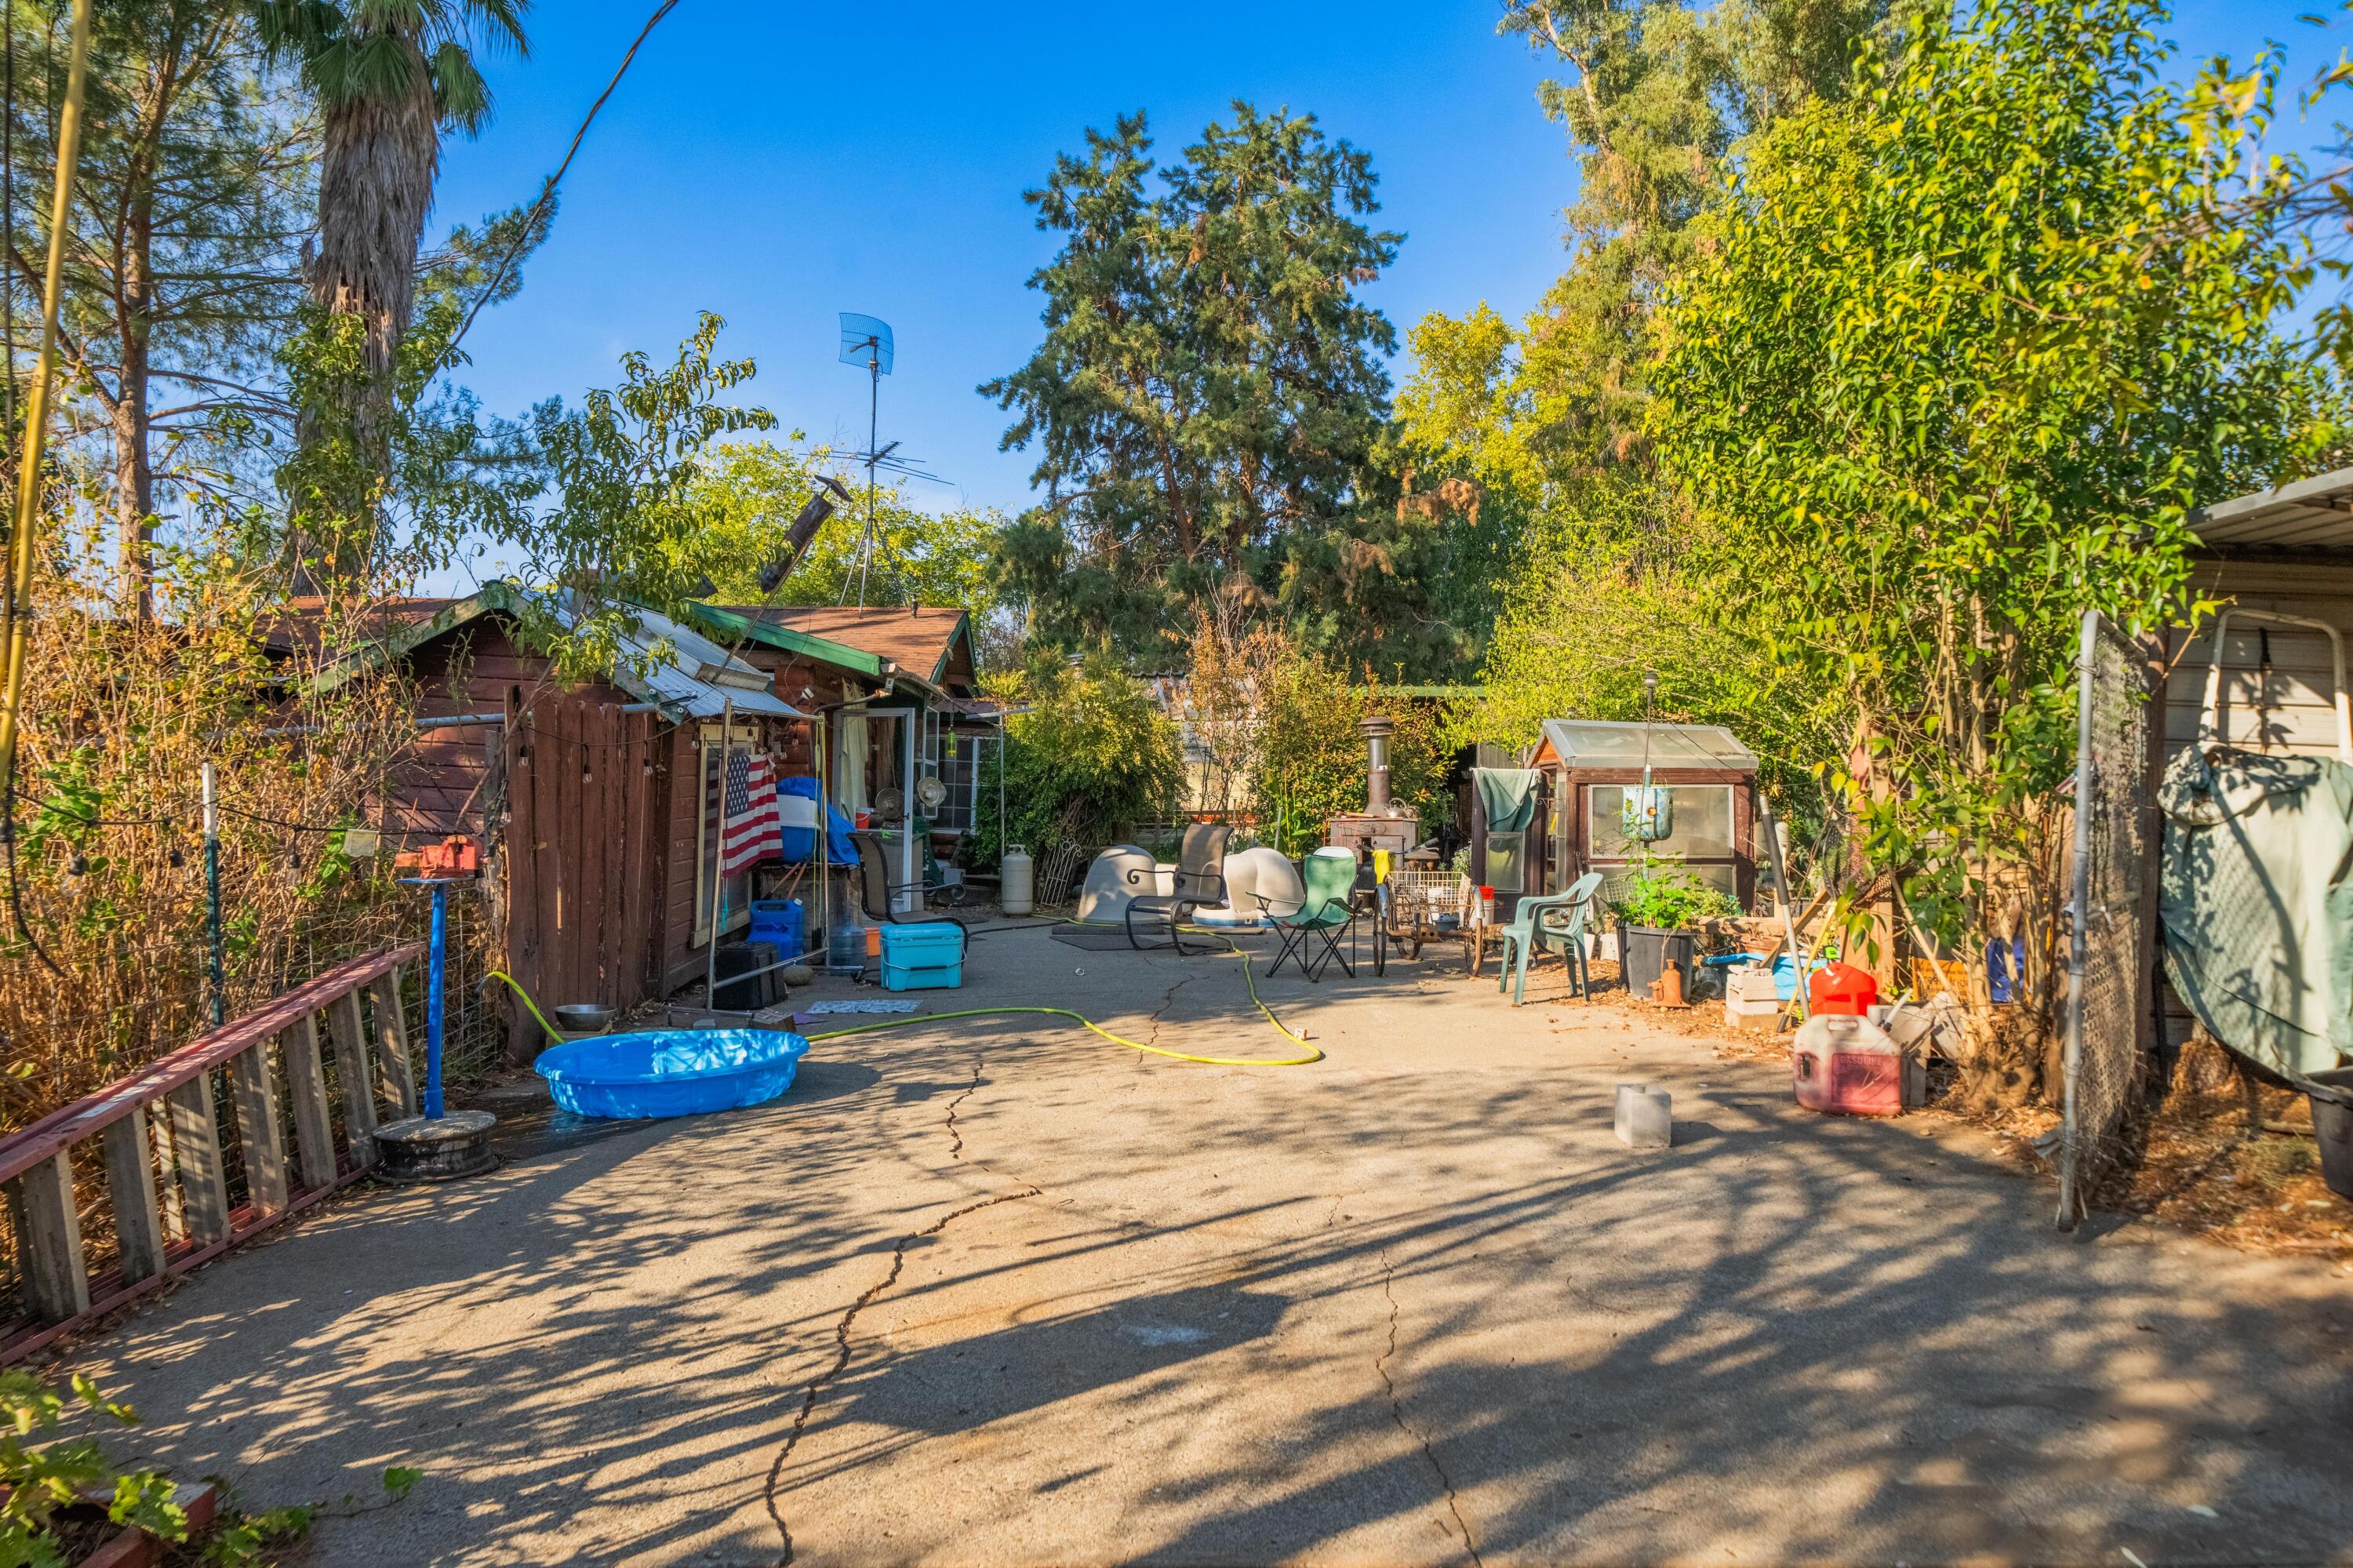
(1646, 1116)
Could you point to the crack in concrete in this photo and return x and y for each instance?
(1168, 1000)
(954, 1132)
(1397, 1413)
(842, 1352)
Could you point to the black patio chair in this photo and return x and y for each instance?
(877, 892)
(1200, 883)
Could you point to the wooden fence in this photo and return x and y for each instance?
(182, 1160)
(586, 797)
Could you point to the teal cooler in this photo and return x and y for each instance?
(927, 957)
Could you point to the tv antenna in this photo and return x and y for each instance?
(866, 341)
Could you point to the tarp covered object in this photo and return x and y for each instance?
(1507, 795)
(796, 803)
(2256, 902)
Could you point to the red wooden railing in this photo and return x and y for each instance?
(166, 1162)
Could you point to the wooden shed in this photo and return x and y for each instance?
(1584, 769)
(597, 802)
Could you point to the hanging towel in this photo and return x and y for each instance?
(2255, 899)
(1508, 796)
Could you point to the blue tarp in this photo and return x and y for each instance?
(801, 825)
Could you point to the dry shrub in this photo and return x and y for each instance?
(104, 949)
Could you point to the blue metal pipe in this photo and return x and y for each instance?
(435, 967)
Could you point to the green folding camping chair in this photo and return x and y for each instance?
(1330, 881)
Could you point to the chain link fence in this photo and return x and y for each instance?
(2108, 989)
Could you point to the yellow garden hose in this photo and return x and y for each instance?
(544, 1023)
(1248, 979)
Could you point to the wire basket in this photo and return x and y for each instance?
(1417, 897)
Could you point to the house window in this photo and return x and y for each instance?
(956, 762)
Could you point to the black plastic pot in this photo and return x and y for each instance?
(2332, 1125)
(1645, 952)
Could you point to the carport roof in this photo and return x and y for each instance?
(2313, 515)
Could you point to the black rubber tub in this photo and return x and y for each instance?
(1647, 952)
(2332, 1125)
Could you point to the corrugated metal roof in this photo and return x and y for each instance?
(1603, 743)
(697, 678)
(2314, 515)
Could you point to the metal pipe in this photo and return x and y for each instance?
(719, 851)
(217, 969)
(435, 973)
(822, 758)
(2079, 895)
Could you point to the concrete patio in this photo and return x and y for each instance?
(983, 1291)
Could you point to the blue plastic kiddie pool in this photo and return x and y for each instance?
(672, 1071)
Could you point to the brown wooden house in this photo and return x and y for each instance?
(596, 804)
(894, 686)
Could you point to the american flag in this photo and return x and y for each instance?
(748, 816)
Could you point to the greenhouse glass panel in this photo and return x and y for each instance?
(1699, 823)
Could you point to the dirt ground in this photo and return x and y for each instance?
(2222, 1155)
(997, 1290)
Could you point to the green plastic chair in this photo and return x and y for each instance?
(1330, 881)
(1529, 933)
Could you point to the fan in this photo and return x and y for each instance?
(929, 793)
(890, 805)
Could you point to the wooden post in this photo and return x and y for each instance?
(131, 1182)
(306, 1085)
(196, 1140)
(359, 1085)
(259, 1132)
(48, 1240)
(392, 1041)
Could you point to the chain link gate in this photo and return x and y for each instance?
(2106, 992)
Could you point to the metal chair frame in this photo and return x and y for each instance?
(1200, 882)
(875, 890)
(1326, 917)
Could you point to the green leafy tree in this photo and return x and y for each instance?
(390, 75)
(750, 491)
(1657, 98)
(180, 277)
(1963, 353)
(1211, 390)
(1623, 580)
(632, 510)
(1091, 755)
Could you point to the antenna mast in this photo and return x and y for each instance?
(866, 341)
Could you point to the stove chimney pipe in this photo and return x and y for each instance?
(1377, 730)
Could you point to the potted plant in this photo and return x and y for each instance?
(1656, 911)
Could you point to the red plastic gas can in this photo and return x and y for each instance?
(1842, 990)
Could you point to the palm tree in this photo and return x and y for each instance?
(390, 75)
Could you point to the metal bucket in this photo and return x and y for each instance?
(583, 1018)
(2332, 1125)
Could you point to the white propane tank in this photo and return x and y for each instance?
(1019, 890)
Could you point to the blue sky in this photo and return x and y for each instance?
(779, 164)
